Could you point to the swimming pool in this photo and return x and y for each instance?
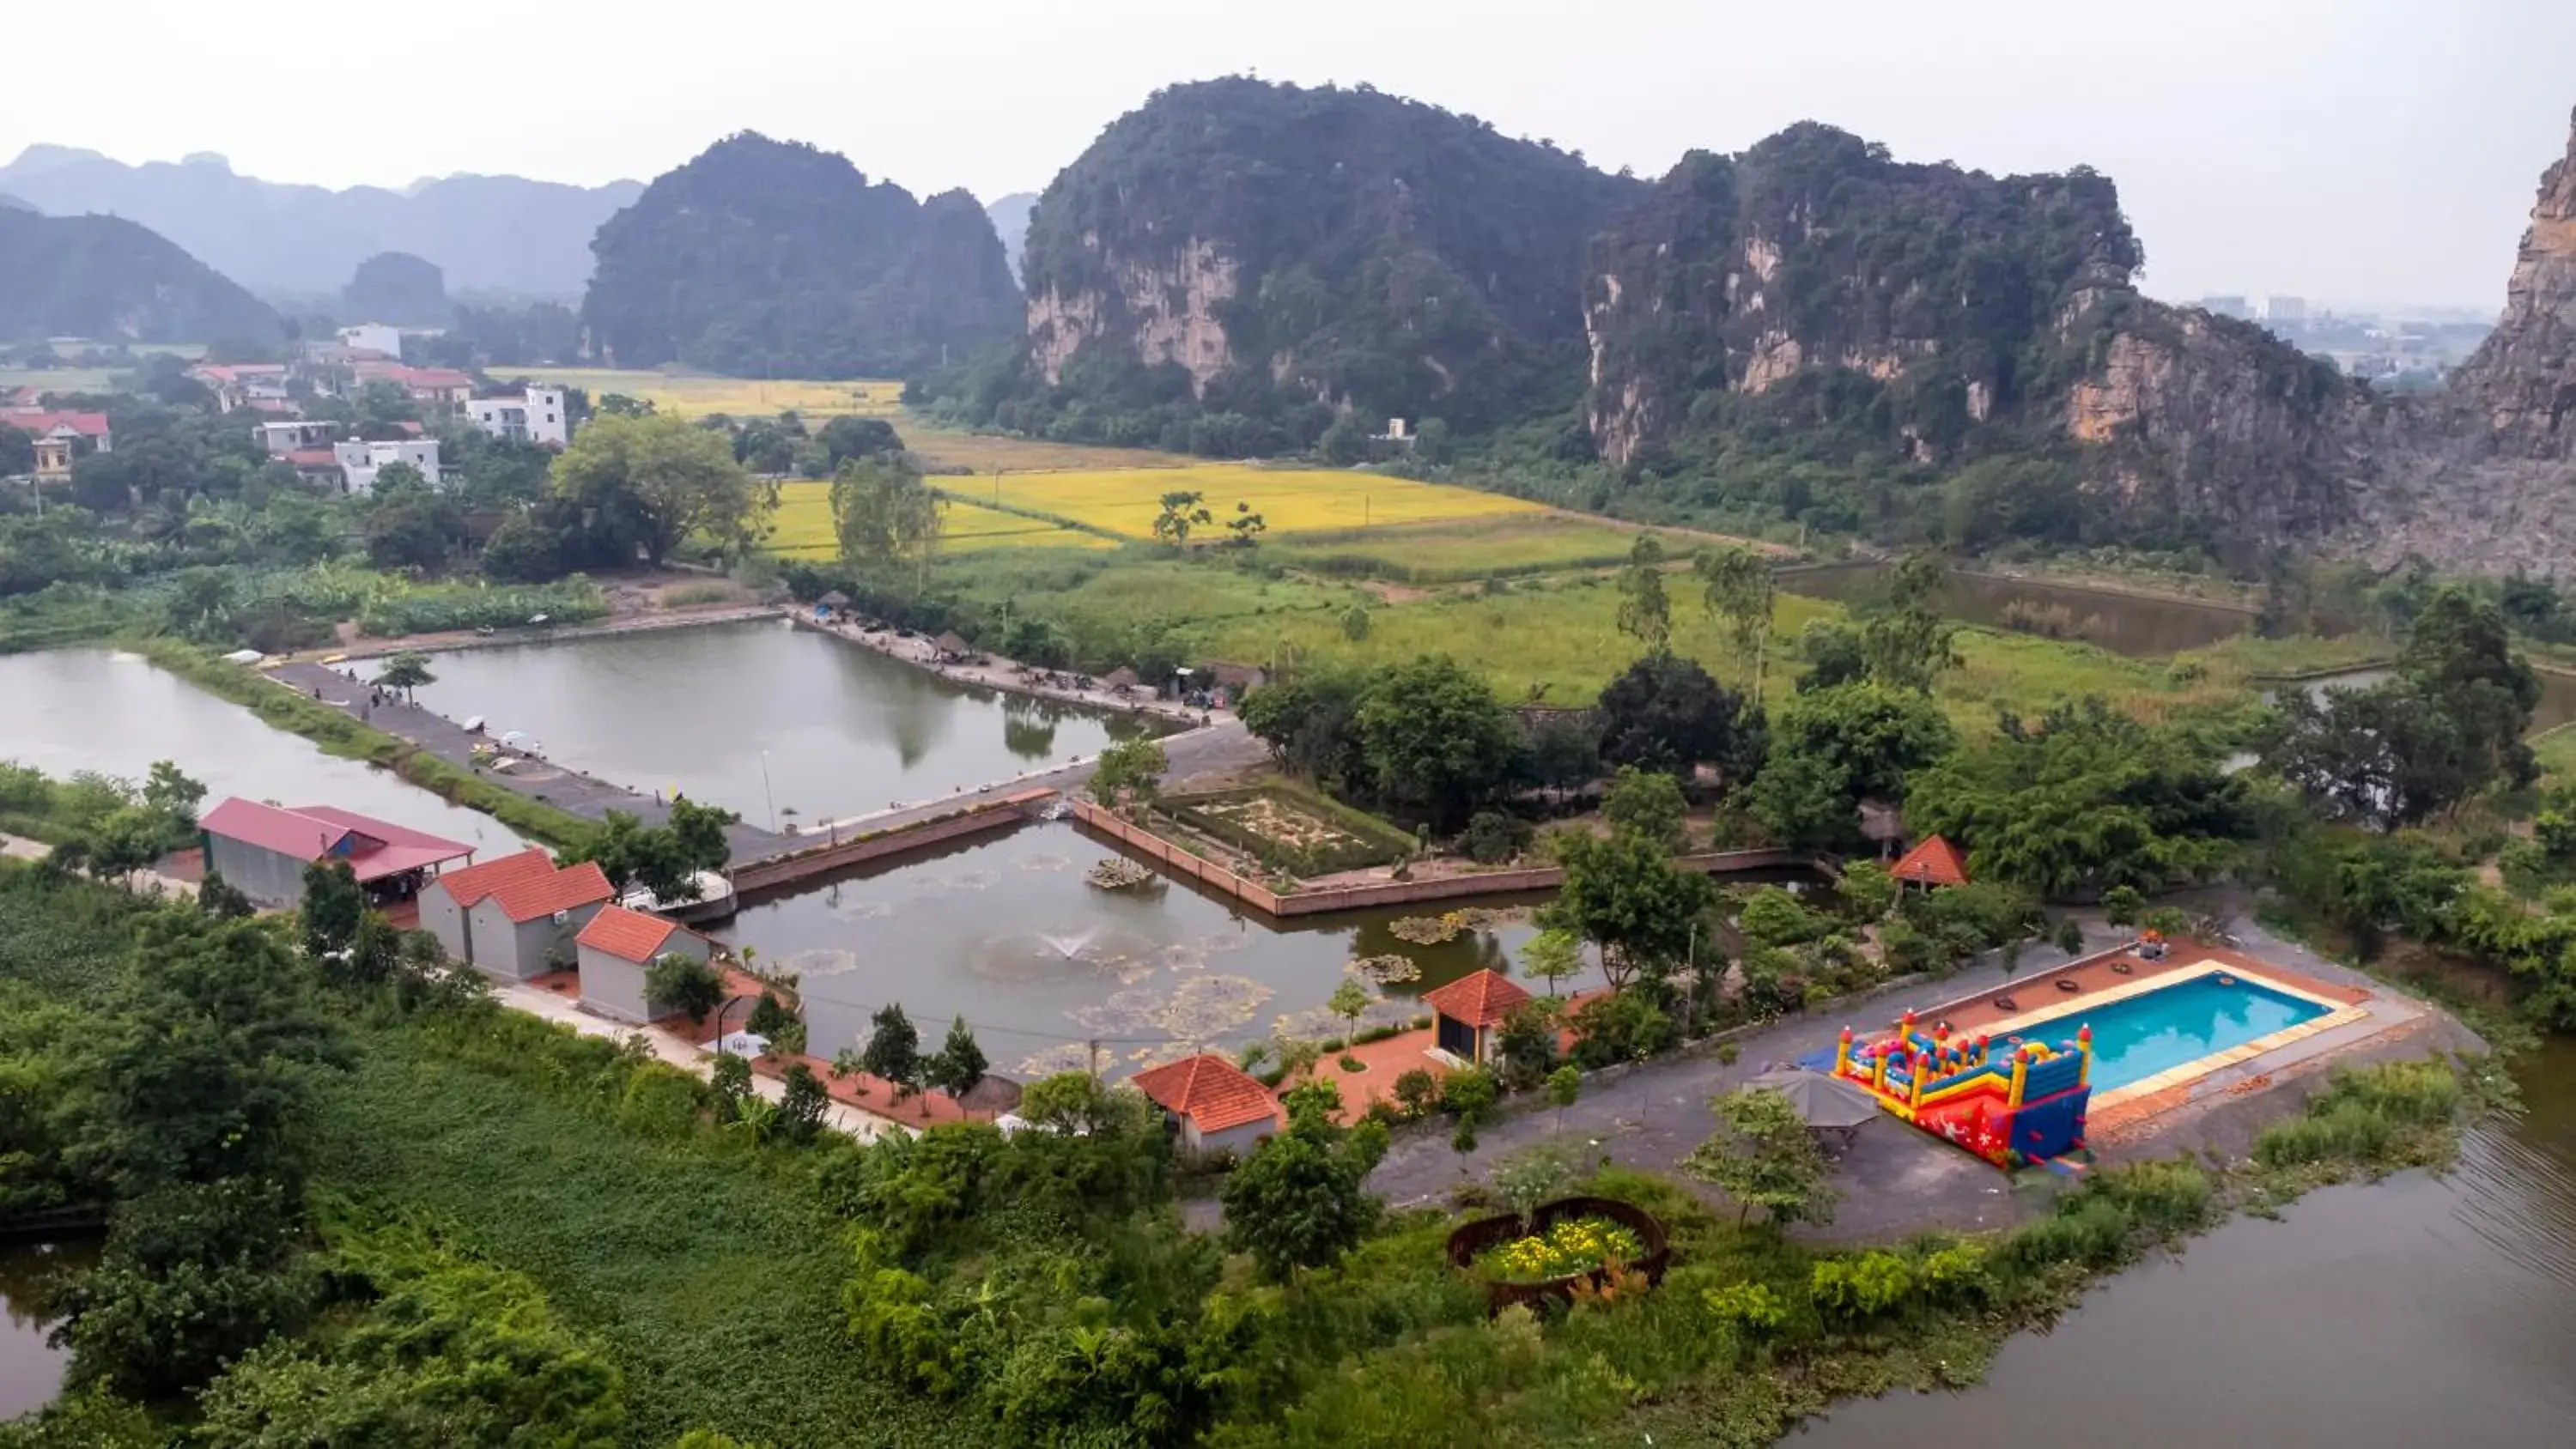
(2138, 1036)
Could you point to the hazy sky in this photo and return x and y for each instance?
(2382, 150)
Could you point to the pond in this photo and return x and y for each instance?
(1005, 930)
(2410, 1312)
(2557, 692)
(31, 1370)
(93, 709)
(760, 716)
(2120, 622)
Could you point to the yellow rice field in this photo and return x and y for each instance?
(802, 527)
(1125, 500)
(695, 397)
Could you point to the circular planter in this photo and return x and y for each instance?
(1476, 1237)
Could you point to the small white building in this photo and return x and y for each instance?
(536, 416)
(360, 462)
(296, 435)
(614, 951)
(374, 337)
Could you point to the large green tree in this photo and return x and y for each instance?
(886, 516)
(1666, 713)
(1434, 739)
(1299, 1200)
(647, 484)
(1764, 1157)
(1624, 894)
(1830, 749)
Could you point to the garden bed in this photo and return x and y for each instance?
(1475, 1240)
(1277, 826)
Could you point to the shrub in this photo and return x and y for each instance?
(1750, 1306)
(1773, 917)
(1862, 1287)
(1494, 837)
(1418, 1092)
(2169, 1197)
(1955, 1273)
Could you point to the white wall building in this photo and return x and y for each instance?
(360, 462)
(538, 416)
(374, 337)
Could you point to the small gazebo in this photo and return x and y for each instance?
(1833, 1109)
(1121, 679)
(953, 645)
(1932, 863)
(992, 1096)
(1466, 1012)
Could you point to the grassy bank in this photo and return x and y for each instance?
(350, 739)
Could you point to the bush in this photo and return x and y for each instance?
(1621, 1028)
(1862, 1287)
(1495, 838)
(1773, 917)
(1418, 1092)
(448, 607)
(1750, 1306)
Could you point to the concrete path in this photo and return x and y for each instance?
(141, 882)
(565, 789)
(537, 1001)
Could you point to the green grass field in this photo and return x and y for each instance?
(1454, 550)
(59, 379)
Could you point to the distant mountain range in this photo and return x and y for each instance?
(501, 234)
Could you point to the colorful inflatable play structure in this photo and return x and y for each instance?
(2011, 1103)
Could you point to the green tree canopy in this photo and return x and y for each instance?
(1623, 894)
(1764, 1157)
(1299, 1200)
(1665, 713)
(649, 483)
(1830, 749)
(1433, 738)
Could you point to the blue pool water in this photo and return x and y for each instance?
(2155, 1030)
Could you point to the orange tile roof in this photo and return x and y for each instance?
(627, 935)
(578, 885)
(1210, 1091)
(470, 885)
(1934, 862)
(1482, 998)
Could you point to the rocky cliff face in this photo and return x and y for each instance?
(1285, 255)
(769, 256)
(2520, 386)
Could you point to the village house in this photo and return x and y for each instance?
(438, 389)
(360, 462)
(1213, 1104)
(243, 384)
(514, 917)
(262, 850)
(296, 436)
(380, 338)
(534, 416)
(616, 949)
(61, 438)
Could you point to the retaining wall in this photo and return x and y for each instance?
(1388, 893)
(818, 859)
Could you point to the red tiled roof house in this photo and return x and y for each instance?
(1214, 1104)
(1468, 1013)
(514, 917)
(262, 850)
(613, 952)
(1935, 862)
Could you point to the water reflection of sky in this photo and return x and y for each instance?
(1005, 930)
(87, 709)
(754, 713)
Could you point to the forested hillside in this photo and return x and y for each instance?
(773, 258)
(104, 277)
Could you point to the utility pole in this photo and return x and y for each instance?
(1093, 1046)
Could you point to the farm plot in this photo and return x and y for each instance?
(1291, 500)
(1497, 546)
(802, 527)
(696, 397)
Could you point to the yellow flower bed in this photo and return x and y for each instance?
(1577, 1245)
(1289, 500)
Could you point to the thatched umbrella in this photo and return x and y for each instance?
(992, 1095)
(834, 600)
(953, 643)
(1121, 677)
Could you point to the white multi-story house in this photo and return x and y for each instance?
(536, 416)
(360, 462)
(374, 337)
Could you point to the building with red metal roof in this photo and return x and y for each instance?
(263, 849)
(1218, 1106)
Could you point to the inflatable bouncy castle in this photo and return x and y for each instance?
(2011, 1103)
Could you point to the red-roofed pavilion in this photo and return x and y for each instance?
(1934, 862)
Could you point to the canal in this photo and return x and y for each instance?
(761, 717)
(1005, 930)
(2415, 1311)
(70, 710)
(31, 1370)
(2123, 623)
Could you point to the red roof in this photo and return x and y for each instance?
(374, 848)
(44, 420)
(1934, 862)
(471, 884)
(313, 458)
(1483, 998)
(563, 890)
(1210, 1091)
(627, 935)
